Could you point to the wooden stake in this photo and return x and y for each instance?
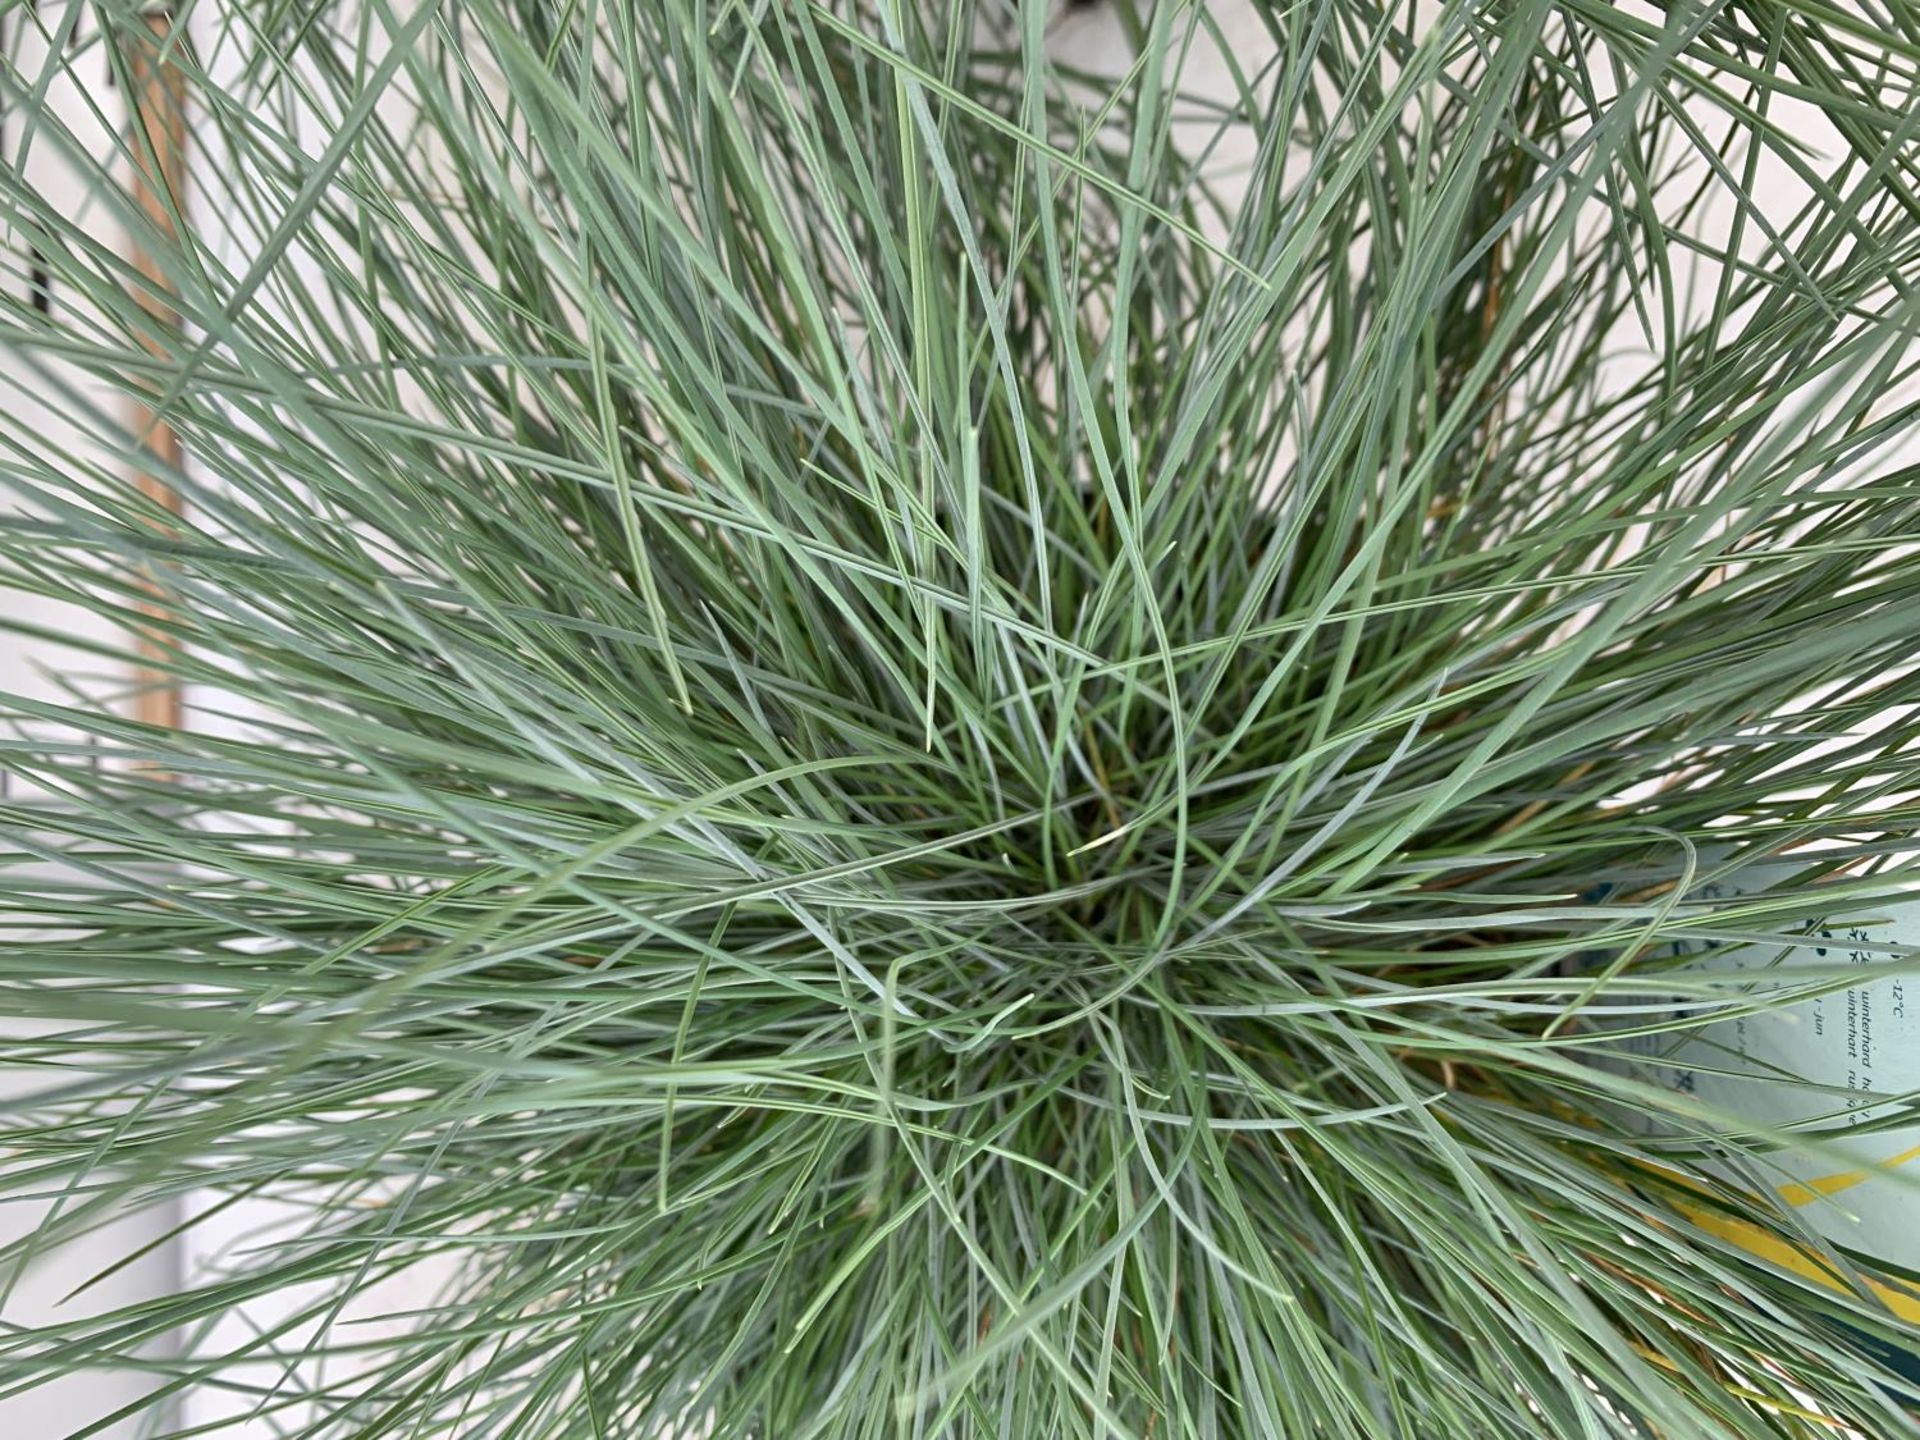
(157, 104)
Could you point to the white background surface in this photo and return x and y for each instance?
(43, 670)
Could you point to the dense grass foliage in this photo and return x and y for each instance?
(879, 751)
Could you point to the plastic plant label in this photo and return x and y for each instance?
(1827, 1064)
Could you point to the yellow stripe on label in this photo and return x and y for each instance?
(1765, 1245)
(1812, 1190)
(1769, 1247)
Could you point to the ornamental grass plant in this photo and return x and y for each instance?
(890, 735)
